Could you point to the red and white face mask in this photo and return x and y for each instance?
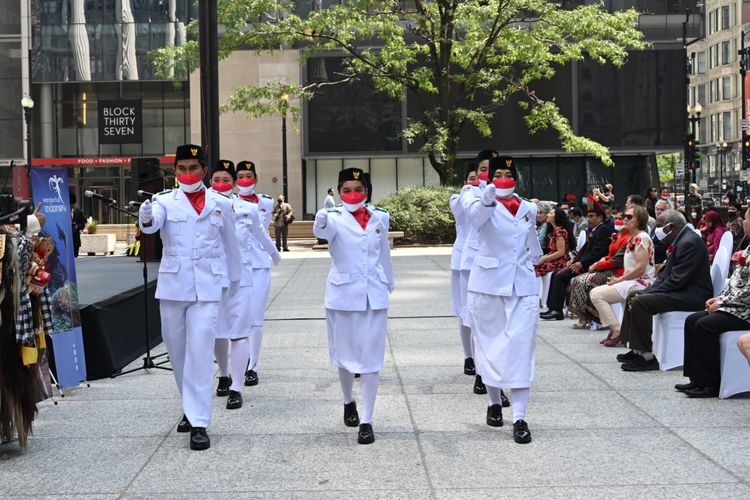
(619, 225)
(353, 200)
(504, 187)
(190, 183)
(246, 186)
(222, 187)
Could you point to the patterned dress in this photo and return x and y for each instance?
(560, 262)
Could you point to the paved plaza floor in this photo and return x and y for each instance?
(598, 432)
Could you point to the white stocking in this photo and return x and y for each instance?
(520, 400)
(494, 393)
(239, 355)
(369, 389)
(465, 332)
(347, 383)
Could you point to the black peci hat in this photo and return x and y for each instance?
(190, 152)
(246, 165)
(225, 166)
(352, 174)
(487, 154)
(502, 163)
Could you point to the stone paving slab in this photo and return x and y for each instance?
(598, 432)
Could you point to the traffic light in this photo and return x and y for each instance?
(745, 151)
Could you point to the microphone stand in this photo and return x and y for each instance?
(148, 360)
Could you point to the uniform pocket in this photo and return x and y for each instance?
(487, 262)
(339, 278)
(218, 268)
(217, 220)
(169, 264)
(382, 276)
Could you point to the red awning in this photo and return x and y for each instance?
(93, 161)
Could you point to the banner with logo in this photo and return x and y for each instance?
(49, 187)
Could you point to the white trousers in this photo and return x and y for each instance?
(188, 332)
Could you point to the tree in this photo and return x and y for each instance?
(462, 60)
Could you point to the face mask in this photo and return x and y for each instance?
(660, 233)
(484, 177)
(353, 200)
(222, 187)
(504, 187)
(619, 225)
(474, 183)
(190, 183)
(693, 215)
(246, 186)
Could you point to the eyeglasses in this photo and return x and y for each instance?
(628, 216)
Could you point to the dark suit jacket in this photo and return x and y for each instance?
(686, 275)
(597, 244)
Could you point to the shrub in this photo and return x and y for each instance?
(422, 213)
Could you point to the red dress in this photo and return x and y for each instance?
(558, 263)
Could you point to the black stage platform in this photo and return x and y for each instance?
(110, 294)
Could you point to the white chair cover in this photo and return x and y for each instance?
(581, 241)
(669, 338)
(717, 280)
(735, 370)
(727, 242)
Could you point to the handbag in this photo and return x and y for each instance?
(289, 220)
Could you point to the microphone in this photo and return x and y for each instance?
(141, 192)
(97, 196)
(134, 204)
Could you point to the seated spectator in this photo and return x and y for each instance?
(650, 199)
(638, 266)
(636, 201)
(660, 250)
(561, 243)
(730, 311)
(683, 284)
(543, 208)
(743, 343)
(734, 224)
(594, 249)
(578, 220)
(712, 229)
(598, 273)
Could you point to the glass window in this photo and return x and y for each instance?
(710, 22)
(714, 128)
(726, 56)
(702, 130)
(383, 177)
(725, 17)
(11, 116)
(702, 94)
(410, 172)
(701, 62)
(726, 88)
(726, 125)
(328, 176)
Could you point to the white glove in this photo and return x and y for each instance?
(488, 196)
(146, 212)
(276, 258)
(321, 218)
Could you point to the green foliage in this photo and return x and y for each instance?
(422, 213)
(470, 57)
(667, 163)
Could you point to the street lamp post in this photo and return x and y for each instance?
(723, 150)
(693, 116)
(27, 103)
(284, 176)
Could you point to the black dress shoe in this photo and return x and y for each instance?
(504, 399)
(521, 433)
(357, 375)
(495, 416)
(199, 439)
(234, 400)
(628, 356)
(223, 388)
(351, 417)
(184, 425)
(469, 368)
(640, 364)
(479, 387)
(553, 315)
(251, 378)
(684, 387)
(703, 392)
(366, 435)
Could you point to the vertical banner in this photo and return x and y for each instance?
(50, 188)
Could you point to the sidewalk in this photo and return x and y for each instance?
(598, 432)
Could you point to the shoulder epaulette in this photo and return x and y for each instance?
(339, 205)
(380, 209)
(164, 192)
(333, 210)
(266, 196)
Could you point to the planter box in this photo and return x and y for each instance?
(103, 244)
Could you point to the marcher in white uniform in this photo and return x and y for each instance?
(356, 297)
(503, 294)
(260, 261)
(458, 301)
(200, 262)
(235, 320)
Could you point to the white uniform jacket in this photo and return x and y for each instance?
(470, 247)
(361, 271)
(201, 253)
(255, 243)
(508, 249)
(462, 223)
(265, 211)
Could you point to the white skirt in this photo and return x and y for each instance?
(456, 293)
(463, 313)
(504, 333)
(356, 339)
(234, 314)
(261, 287)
